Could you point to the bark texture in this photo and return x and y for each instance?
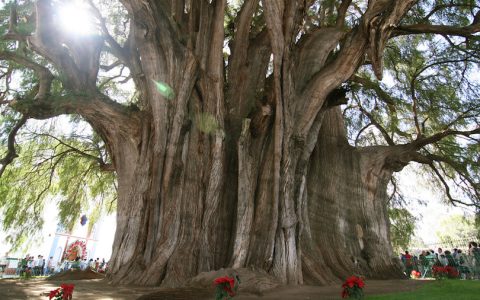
(247, 164)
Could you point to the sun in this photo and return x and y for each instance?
(75, 17)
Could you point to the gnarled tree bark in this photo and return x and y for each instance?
(273, 184)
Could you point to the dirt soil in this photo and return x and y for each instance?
(97, 289)
(76, 275)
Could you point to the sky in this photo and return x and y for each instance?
(429, 215)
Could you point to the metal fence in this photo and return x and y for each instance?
(460, 243)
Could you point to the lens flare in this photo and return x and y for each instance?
(75, 17)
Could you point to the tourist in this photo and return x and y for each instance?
(42, 267)
(407, 255)
(83, 264)
(473, 247)
(97, 264)
(455, 253)
(91, 264)
(50, 266)
(465, 265)
(441, 257)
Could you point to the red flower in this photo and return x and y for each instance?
(228, 284)
(225, 279)
(53, 293)
(352, 287)
(67, 290)
(352, 281)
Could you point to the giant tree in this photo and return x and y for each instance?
(233, 149)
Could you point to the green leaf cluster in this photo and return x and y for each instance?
(62, 169)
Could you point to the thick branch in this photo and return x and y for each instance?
(419, 143)
(342, 13)
(376, 27)
(11, 153)
(45, 77)
(467, 31)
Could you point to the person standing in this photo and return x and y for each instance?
(42, 266)
(441, 257)
(50, 266)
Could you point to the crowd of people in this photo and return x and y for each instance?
(467, 263)
(31, 266)
(83, 264)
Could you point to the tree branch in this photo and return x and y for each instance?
(342, 13)
(44, 75)
(102, 164)
(447, 189)
(11, 153)
(467, 31)
(423, 141)
(371, 36)
(382, 130)
(382, 95)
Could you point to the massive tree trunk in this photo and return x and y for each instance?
(245, 190)
(244, 165)
(233, 158)
(347, 208)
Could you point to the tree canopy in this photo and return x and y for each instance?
(416, 90)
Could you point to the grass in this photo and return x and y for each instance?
(439, 290)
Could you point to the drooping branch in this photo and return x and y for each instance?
(11, 152)
(446, 186)
(377, 125)
(441, 7)
(104, 166)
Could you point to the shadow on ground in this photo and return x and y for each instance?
(100, 290)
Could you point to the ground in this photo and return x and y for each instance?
(100, 290)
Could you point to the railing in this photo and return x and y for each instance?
(460, 243)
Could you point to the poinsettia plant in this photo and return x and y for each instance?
(226, 287)
(353, 288)
(440, 272)
(64, 292)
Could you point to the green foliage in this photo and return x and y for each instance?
(477, 224)
(431, 86)
(456, 228)
(402, 228)
(62, 168)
